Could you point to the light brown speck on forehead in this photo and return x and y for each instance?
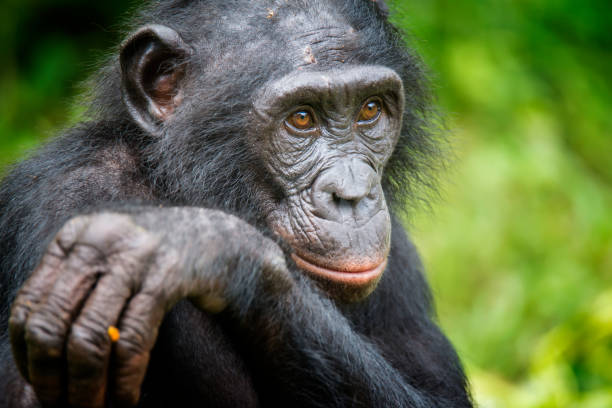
(325, 45)
(316, 37)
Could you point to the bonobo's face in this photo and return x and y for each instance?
(326, 136)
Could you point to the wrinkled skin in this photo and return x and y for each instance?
(334, 214)
(124, 271)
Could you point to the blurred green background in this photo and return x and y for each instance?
(519, 250)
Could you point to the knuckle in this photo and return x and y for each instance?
(133, 340)
(88, 344)
(16, 324)
(44, 338)
(57, 307)
(68, 235)
(19, 315)
(16, 330)
(88, 254)
(57, 250)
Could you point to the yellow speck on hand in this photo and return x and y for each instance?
(113, 333)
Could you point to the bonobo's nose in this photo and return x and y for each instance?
(349, 190)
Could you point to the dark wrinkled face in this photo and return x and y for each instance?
(326, 136)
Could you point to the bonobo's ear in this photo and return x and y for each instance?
(152, 66)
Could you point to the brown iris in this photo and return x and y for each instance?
(370, 111)
(301, 120)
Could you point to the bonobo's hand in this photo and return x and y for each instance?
(126, 271)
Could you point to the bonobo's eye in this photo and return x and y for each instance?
(301, 120)
(370, 112)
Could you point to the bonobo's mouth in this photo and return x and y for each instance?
(349, 275)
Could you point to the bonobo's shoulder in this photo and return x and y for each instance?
(76, 170)
(84, 160)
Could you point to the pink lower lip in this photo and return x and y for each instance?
(356, 277)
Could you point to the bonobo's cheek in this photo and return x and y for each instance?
(347, 258)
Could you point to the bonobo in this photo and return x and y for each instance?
(219, 230)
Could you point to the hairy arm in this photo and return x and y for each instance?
(128, 269)
(313, 351)
(384, 351)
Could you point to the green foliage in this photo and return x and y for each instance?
(519, 253)
(49, 47)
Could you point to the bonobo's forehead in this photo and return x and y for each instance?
(323, 46)
(342, 85)
(308, 35)
(318, 39)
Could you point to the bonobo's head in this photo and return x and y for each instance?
(311, 113)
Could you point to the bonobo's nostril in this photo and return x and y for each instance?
(349, 190)
(336, 198)
(341, 198)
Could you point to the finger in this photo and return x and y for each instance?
(28, 299)
(89, 345)
(138, 330)
(48, 325)
(37, 288)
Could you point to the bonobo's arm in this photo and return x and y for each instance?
(127, 270)
(312, 350)
(304, 344)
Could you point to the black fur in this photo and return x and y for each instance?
(107, 161)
